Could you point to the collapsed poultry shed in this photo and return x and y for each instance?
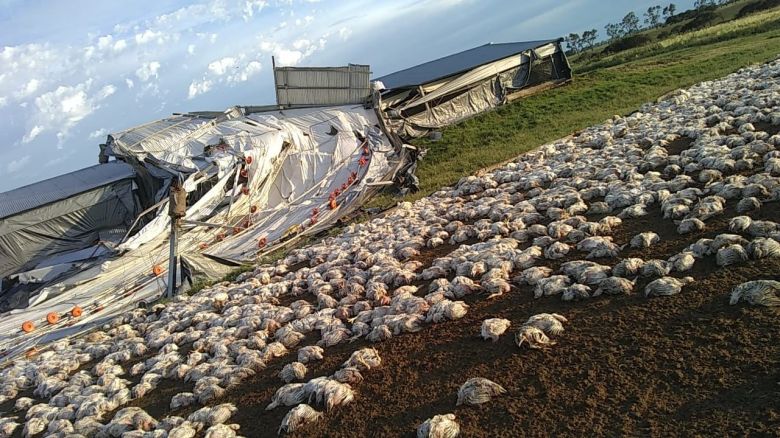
(255, 178)
(450, 89)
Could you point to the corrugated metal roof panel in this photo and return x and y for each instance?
(456, 63)
(61, 187)
(326, 86)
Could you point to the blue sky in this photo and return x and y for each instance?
(73, 71)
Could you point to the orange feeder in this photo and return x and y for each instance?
(76, 311)
(28, 326)
(253, 209)
(203, 245)
(262, 242)
(221, 236)
(247, 223)
(332, 204)
(248, 160)
(362, 161)
(157, 270)
(31, 352)
(365, 150)
(52, 318)
(244, 173)
(237, 230)
(313, 220)
(245, 190)
(315, 211)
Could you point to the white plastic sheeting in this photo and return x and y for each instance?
(300, 170)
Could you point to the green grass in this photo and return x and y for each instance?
(591, 98)
(730, 30)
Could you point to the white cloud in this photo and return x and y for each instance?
(148, 36)
(301, 44)
(130, 83)
(120, 45)
(34, 132)
(106, 91)
(191, 49)
(63, 108)
(221, 66)
(345, 32)
(100, 133)
(17, 164)
(199, 87)
(3, 101)
(286, 56)
(148, 70)
(29, 88)
(251, 7)
(105, 42)
(245, 73)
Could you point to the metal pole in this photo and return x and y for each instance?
(177, 209)
(173, 258)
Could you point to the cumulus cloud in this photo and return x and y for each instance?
(251, 7)
(120, 45)
(29, 88)
(243, 75)
(99, 133)
(148, 70)
(3, 101)
(105, 42)
(148, 36)
(199, 87)
(222, 66)
(18, 164)
(129, 82)
(344, 33)
(289, 56)
(34, 132)
(61, 109)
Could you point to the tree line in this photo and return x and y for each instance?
(653, 17)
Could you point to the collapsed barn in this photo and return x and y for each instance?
(450, 89)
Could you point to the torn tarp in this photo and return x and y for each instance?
(254, 181)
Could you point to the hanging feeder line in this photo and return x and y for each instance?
(52, 319)
(333, 198)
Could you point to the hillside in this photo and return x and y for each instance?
(617, 85)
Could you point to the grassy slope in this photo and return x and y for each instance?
(593, 97)
(725, 13)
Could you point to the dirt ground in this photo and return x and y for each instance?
(685, 365)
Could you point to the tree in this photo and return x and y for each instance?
(588, 39)
(629, 24)
(613, 31)
(699, 4)
(573, 42)
(652, 16)
(669, 10)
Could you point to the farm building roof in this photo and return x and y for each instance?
(457, 63)
(61, 187)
